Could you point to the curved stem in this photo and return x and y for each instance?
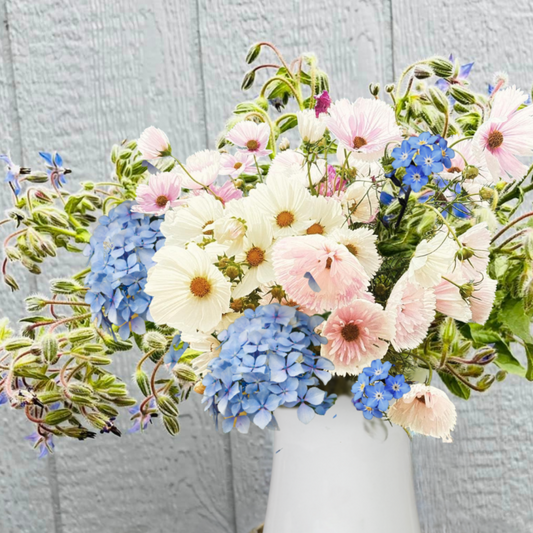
(288, 84)
(278, 53)
(510, 225)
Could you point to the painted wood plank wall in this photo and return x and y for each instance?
(79, 76)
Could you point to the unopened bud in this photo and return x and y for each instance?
(462, 95)
(154, 340)
(12, 253)
(374, 89)
(117, 345)
(486, 193)
(184, 373)
(100, 360)
(30, 265)
(79, 433)
(485, 382)
(50, 348)
(107, 410)
(80, 389)
(81, 335)
(18, 343)
(423, 72)
(143, 382)
(248, 80)
(85, 401)
(464, 253)
(125, 401)
(284, 144)
(171, 424)
(443, 68)
(438, 98)
(237, 305)
(232, 272)
(37, 177)
(389, 88)
(253, 53)
(166, 405)
(501, 375)
(460, 108)
(470, 172)
(65, 286)
(49, 397)
(97, 420)
(448, 331)
(54, 418)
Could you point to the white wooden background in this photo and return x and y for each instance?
(79, 75)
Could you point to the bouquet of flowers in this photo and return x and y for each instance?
(324, 248)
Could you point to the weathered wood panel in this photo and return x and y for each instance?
(484, 480)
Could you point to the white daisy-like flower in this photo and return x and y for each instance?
(326, 214)
(361, 243)
(360, 202)
(192, 222)
(231, 228)
(189, 292)
(203, 166)
(363, 169)
(432, 259)
(311, 128)
(256, 257)
(291, 165)
(284, 204)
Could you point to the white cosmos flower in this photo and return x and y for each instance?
(291, 165)
(256, 257)
(189, 292)
(432, 259)
(360, 202)
(192, 222)
(203, 166)
(284, 204)
(361, 243)
(326, 215)
(363, 169)
(231, 228)
(311, 128)
(475, 255)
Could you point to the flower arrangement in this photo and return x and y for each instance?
(325, 247)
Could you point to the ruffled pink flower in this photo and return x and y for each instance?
(153, 143)
(322, 103)
(482, 300)
(412, 308)
(425, 410)
(474, 258)
(450, 302)
(160, 193)
(318, 273)
(227, 192)
(251, 137)
(365, 127)
(357, 334)
(507, 134)
(236, 164)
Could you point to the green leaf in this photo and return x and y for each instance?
(82, 235)
(287, 124)
(512, 314)
(189, 355)
(480, 334)
(455, 386)
(72, 203)
(507, 361)
(529, 353)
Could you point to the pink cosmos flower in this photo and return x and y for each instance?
(450, 301)
(364, 127)
(357, 334)
(322, 103)
(474, 258)
(203, 166)
(251, 137)
(482, 299)
(160, 193)
(318, 273)
(412, 308)
(237, 164)
(291, 165)
(153, 143)
(334, 184)
(227, 192)
(507, 134)
(425, 410)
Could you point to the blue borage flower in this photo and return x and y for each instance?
(54, 168)
(120, 253)
(267, 359)
(375, 388)
(13, 173)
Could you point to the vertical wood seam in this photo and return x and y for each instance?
(393, 65)
(8, 59)
(202, 73)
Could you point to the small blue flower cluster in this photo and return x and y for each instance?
(422, 156)
(374, 389)
(266, 360)
(120, 253)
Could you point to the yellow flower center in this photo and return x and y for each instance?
(284, 219)
(315, 229)
(255, 256)
(200, 287)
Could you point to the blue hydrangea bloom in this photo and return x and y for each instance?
(268, 358)
(120, 253)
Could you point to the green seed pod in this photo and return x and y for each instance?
(470, 172)
(253, 53)
(462, 95)
(423, 72)
(100, 360)
(154, 340)
(184, 373)
(443, 68)
(438, 98)
(171, 424)
(117, 389)
(50, 348)
(82, 335)
(107, 410)
(11, 282)
(143, 382)
(167, 406)
(54, 418)
(49, 397)
(248, 80)
(17, 343)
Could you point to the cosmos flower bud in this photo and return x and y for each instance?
(166, 405)
(374, 89)
(171, 424)
(154, 340)
(423, 72)
(462, 95)
(253, 53)
(143, 382)
(443, 68)
(232, 272)
(464, 253)
(284, 144)
(54, 418)
(438, 98)
(50, 348)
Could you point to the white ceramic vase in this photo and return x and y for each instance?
(340, 474)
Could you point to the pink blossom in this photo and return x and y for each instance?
(412, 308)
(317, 272)
(334, 185)
(474, 258)
(160, 193)
(153, 143)
(482, 300)
(237, 164)
(202, 169)
(365, 127)
(357, 334)
(450, 301)
(227, 192)
(507, 134)
(251, 137)
(322, 103)
(425, 410)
